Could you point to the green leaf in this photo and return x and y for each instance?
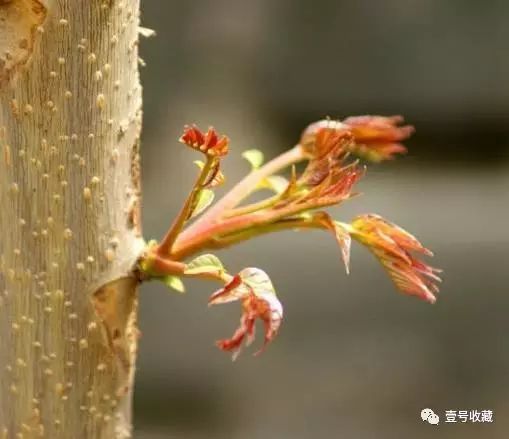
(307, 215)
(174, 283)
(258, 280)
(199, 163)
(204, 200)
(204, 264)
(277, 183)
(254, 157)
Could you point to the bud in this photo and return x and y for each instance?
(326, 138)
(376, 137)
(209, 143)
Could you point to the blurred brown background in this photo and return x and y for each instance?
(354, 359)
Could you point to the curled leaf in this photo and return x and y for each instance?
(254, 157)
(257, 280)
(254, 289)
(204, 264)
(393, 247)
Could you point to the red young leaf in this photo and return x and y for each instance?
(340, 233)
(325, 137)
(335, 187)
(254, 289)
(393, 246)
(377, 138)
(209, 143)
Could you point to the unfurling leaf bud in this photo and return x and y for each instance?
(393, 246)
(377, 138)
(209, 143)
(373, 138)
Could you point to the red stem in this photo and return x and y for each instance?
(242, 190)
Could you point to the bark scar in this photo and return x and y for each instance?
(19, 20)
(116, 305)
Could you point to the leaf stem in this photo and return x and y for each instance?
(253, 207)
(221, 242)
(154, 266)
(220, 277)
(243, 227)
(164, 248)
(246, 186)
(187, 244)
(286, 224)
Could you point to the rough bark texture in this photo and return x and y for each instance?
(70, 108)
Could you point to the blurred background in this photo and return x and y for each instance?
(354, 358)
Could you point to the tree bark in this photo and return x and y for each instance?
(70, 110)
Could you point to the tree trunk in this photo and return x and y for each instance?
(70, 109)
